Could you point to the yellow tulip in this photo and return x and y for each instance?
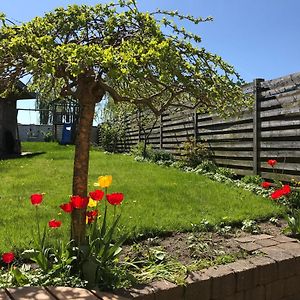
(92, 203)
(104, 181)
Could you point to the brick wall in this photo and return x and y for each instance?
(273, 275)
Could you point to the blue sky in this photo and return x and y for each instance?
(259, 38)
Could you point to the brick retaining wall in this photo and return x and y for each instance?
(274, 275)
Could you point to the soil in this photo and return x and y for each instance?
(194, 246)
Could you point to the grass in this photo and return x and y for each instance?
(157, 199)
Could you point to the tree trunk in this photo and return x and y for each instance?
(81, 166)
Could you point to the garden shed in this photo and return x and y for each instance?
(9, 143)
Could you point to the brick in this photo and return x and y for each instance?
(107, 296)
(257, 293)
(283, 239)
(262, 237)
(276, 253)
(245, 239)
(165, 290)
(223, 281)
(291, 247)
(140, 291)
(244, 271)
(265, 271)
(292, 286)
(197, 284)
(236, 296)
(68, 293)
(267, 242)
(37, 293)
(275, 290)
(3, 295)
(250, 247)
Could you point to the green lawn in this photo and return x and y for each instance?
(157, 199)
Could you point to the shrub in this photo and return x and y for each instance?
(255, 179)
(109, 136)
(161, 155)
(206, 166)
(226, 172)
(138, 151)
(193, 153)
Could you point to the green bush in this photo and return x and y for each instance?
(226, 172)
(161, 155)
(109, 137)
(255, 179)
(193, 153)
(137, 151)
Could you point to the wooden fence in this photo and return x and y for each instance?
(271, 130)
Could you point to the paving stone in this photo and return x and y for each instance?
(262, 237)
(283, 239)
(107, 296)
(165, 290)
(3, 295)
(223, 281)
(36, 293)
(267, 242)
(197, 284)
(68, 293)
(245, 239)
(250, 247)
(276, 253)
(291, 247)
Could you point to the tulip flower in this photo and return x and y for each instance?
(272, 162)
(115, 198)
(54, 223)
(92, 203)
(67, 207)
(104, 181)
(8, 257)
(91, 216)
(286, 189)
(265, 184)
(79, 202)
(36, 199)
(96, 195)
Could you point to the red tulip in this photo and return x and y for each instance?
(91, 215)
(8, 257)
(79, 202)
(277, 194)
(67, 207)
(272, 162)
(97, 195)
(265, 184)
(36, 199)
(115, 198)
(286, 189)
(54, 223)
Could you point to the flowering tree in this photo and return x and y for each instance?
(88, 53)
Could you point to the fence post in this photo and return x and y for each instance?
(195, 124)
(139, 125)
(256, 125)
(161, 129)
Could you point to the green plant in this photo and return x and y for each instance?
(255, 179)
(193, 153)
(48, 136)
(161, 155)
(293, 222)
(226, 172)
(250, 226)
(139, 151)
(110, 135)
(206, 166)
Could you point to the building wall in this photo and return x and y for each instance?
(8, 126)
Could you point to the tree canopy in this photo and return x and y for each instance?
(115, 49)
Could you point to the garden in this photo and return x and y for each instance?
(168, 220)
(78, 216)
